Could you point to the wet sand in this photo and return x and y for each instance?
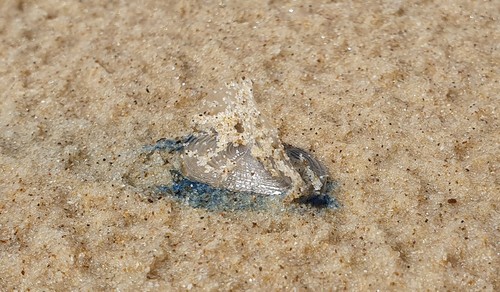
(398, 100)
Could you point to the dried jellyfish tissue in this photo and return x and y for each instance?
(235, 160)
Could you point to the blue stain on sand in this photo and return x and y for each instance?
(201, 195)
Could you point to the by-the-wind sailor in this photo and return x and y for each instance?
(237, 161)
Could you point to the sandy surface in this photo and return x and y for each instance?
(399, 100)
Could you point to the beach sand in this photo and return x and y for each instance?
(399, 99)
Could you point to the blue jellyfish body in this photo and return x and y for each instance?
(202, 195)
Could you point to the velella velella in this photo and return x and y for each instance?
(235, 160)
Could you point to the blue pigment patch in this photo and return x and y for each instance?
(201, 195)
(169, 145)
(322, 199)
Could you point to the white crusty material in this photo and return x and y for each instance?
(238, 147)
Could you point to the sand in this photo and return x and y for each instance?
(399, 99)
